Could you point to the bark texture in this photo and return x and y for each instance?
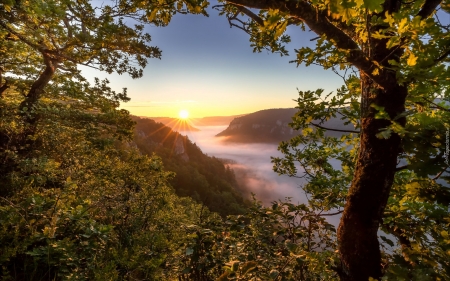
(28, 105)
(36, 90)
(374, 174)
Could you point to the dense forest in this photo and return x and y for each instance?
(86, 193)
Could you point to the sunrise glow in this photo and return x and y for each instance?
(183, 114)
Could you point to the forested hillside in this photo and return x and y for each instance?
(273, 126)
(270, 125)
(204, 178)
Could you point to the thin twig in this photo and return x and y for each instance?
(336, 130)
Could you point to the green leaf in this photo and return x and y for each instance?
(374, 5)
(384, 134)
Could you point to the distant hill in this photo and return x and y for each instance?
(204, 178)
(214, 120)
(269, 126)
(175, 123)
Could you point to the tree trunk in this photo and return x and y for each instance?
(27, 107)
(36, 90)
(374, 174)
(24, 141)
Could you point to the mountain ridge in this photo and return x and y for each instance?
(264, 126)
(271, 126)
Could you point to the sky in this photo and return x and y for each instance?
(209, 69)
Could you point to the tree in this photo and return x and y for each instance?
(77, 200)
(397, 53)
(44, 42)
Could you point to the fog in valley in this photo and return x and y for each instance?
(252, 165)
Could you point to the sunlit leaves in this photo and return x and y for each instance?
(82, 34)
(285, 241)
(89, 201)
(412, 60)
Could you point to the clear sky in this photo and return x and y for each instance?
(209, 69)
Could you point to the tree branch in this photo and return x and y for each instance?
(428, 8)
(443, 56)
(319, 22)
(404, 167)
(250, 14)
(440, 174)
(21, 37)
(437, 105)
(330, 214)
(5, 86)
(335, 130)
(403, 239)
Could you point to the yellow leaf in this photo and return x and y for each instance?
(152, 15)
(307, 131)
(412, 60)
(389, 19)
(403, 25)
(376, 72)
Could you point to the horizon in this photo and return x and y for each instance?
(215, 116)
(210, 69)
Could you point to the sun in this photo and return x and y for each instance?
(184, 114)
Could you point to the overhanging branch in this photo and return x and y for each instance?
(319, 22)
(251, 15)
(428, 8)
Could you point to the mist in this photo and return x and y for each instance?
(251, 164)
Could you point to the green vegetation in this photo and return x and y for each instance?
(81, 204)
(78, 201)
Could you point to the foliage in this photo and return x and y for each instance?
(282, 242)
(83, 204)
(417, 210)
(77, 200)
